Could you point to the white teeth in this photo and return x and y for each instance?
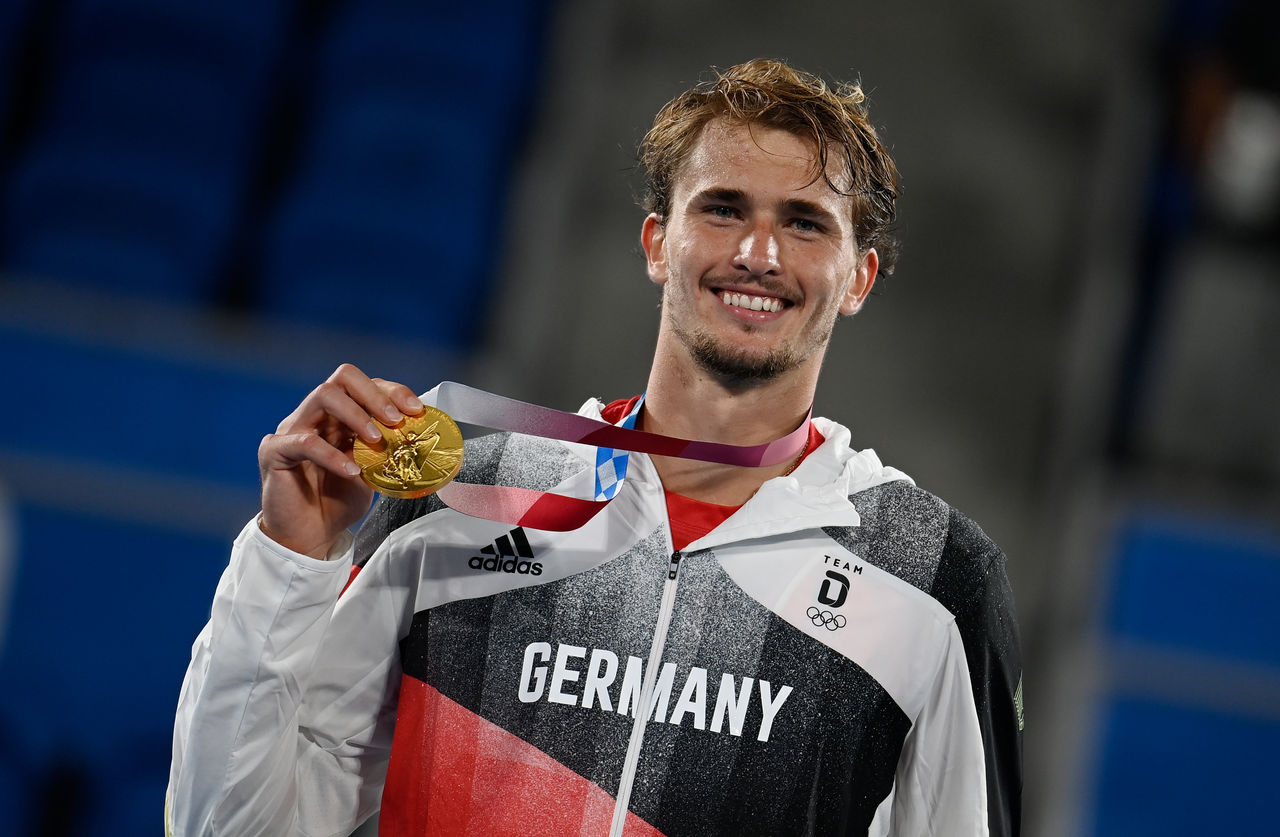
(754, 303)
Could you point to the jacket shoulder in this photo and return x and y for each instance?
(923, 540)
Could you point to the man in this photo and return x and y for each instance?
(812, 647)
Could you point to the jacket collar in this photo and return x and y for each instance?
(814, 495)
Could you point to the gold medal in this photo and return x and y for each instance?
(416, 458)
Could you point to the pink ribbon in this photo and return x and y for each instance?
(558, 512)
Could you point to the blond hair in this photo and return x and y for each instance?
(773, 94)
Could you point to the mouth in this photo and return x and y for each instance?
(751, 303)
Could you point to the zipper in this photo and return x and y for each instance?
(651, 670)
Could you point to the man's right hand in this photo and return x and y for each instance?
(311, 485)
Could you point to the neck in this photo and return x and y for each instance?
(685, 401)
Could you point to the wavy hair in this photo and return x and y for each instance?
(773, 94)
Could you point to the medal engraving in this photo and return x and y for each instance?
(418, 457)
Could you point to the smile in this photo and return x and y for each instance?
(751, 303)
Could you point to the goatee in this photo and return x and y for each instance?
(737, 369)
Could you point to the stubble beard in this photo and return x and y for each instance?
(739, 368)
(736, 368)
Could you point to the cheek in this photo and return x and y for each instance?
(682, 262)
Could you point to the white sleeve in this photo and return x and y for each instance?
(940, 789)
(262, 744)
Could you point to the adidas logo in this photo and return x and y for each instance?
(510, 553)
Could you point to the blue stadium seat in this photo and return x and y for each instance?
(1188, 724)
(136, 172)
(395, 219)
(107, 595)
(101, 623)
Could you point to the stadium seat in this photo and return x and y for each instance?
(134, 175)
(395, 220)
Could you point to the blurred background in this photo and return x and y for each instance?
(207, 206)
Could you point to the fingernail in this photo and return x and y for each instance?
(351, 468)
(414, 403)
(392, 413)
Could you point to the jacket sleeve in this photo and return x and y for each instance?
(972, 583)
(939, 788)
(285, 718)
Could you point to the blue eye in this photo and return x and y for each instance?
(805, 225)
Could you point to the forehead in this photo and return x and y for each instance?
(742, 156)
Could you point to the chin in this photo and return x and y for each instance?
(740, 366)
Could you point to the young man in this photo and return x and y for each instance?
(813, 647)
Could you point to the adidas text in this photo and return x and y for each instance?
(495, 564)
(510, 553)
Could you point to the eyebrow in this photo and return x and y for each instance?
(721, 194)
(792, 206)
(812, 211)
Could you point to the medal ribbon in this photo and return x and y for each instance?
(561, 513)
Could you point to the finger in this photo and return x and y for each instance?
(403, 397)
(348, 397)
(289, 450)
(328, 407)
(383, 400)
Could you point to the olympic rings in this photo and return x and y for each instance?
(827, 619)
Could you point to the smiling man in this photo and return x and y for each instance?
(810, 647)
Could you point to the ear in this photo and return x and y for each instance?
(653, 238)
(860, 285)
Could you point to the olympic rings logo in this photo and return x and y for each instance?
(827, 619)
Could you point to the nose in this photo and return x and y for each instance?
(758, 251)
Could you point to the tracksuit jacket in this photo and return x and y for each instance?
(838, 657)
